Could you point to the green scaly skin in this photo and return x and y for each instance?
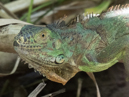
(60, 51)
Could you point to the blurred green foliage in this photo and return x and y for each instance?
(101, 7)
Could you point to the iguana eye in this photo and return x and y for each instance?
(43, 35)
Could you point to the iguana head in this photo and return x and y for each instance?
(46, 51)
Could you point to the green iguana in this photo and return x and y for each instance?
(59, 51)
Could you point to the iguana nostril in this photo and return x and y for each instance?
(60, 59)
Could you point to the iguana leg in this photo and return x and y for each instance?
(119, 50)
(115, 50)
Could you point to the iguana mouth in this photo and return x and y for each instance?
(47, 61)
(53, 62)
(27, 48)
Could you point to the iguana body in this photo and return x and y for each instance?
(60, 51)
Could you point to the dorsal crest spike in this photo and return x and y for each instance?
(90, 15)
(58, 24)
(64, 17)
(81, 18)
(118, 7)
(114, 11)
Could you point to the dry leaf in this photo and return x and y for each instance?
(11, 21)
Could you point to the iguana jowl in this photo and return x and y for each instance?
(60, 51)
